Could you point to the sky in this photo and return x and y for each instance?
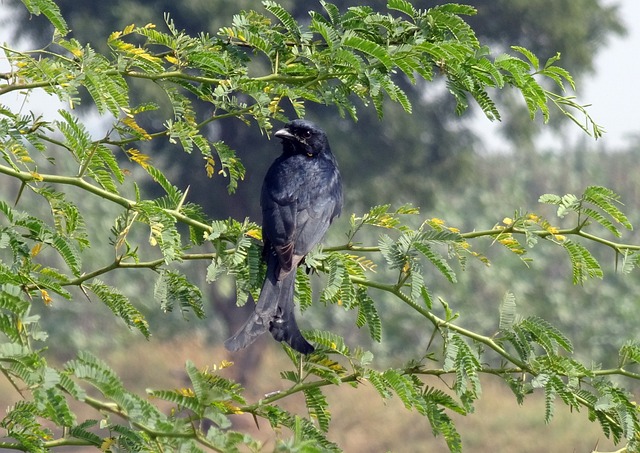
(610, 91)
(613, 91)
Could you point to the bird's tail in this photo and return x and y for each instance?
(274, 312)
(283, 325)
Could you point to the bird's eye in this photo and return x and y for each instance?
(306, 134)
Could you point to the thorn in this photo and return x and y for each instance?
(22, 186)
(255, 419)
(84, 291)
(184, 197)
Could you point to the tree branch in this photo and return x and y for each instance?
(28, 177)
(62, 442)
(120, 412)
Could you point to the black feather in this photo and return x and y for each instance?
(301, 195)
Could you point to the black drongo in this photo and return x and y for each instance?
(301, 195)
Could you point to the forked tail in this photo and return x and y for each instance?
(274, 312)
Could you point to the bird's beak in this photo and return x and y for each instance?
(284, 134)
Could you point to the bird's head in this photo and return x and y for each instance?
(303, 137)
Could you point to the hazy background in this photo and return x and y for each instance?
(430, 159)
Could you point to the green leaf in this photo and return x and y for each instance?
(178, 398)
(54, 406)
(51, 12)
(41, 232)
(283, 16)
(328, 33)
(629, 353)
(461, 359)
(550, 390)
(559, 76)
(163, 227)
(71, 387)
(76, 135)
(550, 199)
(437, 260)
(402, 6)
(103, 178)
(380, 384)
(583, 263)
(402, 386)
(303, 291)
(212, 63)
(305, 431)
(569, 203)
(543, 333)
(172, 191)
(350, 39)
(318, 407)
(337, 274)
(606, 199)
(600, 219)
(173, 288)
(529, 55)
(120, 306)
(507, 311)
(21, 424)
(231, 165)
(332, 11)
(68, 252)
(368, 314)
(81, 432)
(11, 301)
(94, 370)
(434, 401)
(108, 89)
(323, 366)
(330, 341)
(396, 94)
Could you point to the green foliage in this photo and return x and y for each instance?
(242, 260)
(172, 287)
(120, 306)
(252, 70)
(599, 197)
(51, 11)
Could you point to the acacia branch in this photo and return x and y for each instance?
(62, 442)
(301, 387)
(27, 177)
(119, 264)
(439, 322)
(576, 231)
(203, 123)
(115, 409)
(617, 372)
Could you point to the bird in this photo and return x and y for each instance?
(301, 196)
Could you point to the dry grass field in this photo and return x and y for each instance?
(361, 421)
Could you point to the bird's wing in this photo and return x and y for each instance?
(317, 210)
(297, 208)
(279, 219)
(313, 222)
